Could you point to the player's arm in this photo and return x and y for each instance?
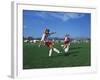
(52, 33)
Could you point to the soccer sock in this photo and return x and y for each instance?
(66, 49)
(50, 52)
(56, 50)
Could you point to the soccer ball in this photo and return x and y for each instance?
(62, 45)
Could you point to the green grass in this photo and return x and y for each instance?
(35, 57)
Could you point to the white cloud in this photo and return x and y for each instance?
(62, 16)
(41, 14)
(67, 16)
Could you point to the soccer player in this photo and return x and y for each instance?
(48, 42)
(66, 43)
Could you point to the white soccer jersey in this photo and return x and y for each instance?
(66, 38)
(44, 38)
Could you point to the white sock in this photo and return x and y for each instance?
(56, 50)
(50, 52)
(66, 49)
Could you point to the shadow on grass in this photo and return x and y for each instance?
(74, 53)
(74, 48)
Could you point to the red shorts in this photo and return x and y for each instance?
(66, 42)
(48, 43)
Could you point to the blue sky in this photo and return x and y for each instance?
(75, 24)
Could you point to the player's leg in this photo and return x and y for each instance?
(50, 51)
(65, 44)
(50, 48)
(55, 49)
(50, 44)
(67, 48)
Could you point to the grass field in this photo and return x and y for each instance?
(35, 57)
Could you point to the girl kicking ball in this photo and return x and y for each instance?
(48, 42)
